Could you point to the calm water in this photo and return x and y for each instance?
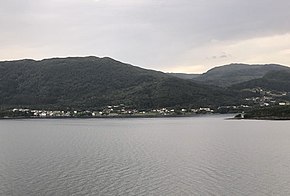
(175, 156)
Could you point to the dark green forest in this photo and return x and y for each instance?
(92, 82)
(274, 80)
(228, 75)
(277, 112)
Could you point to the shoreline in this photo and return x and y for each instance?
(270, 118)
(107, 117)
(273, 118)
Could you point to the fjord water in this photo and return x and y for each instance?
(164, 156)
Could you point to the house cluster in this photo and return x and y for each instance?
(232, 109)
(110, 111)
(268, 98)
(114, 110)
(43, 113)
(124, 110)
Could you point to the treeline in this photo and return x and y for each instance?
(280, 112)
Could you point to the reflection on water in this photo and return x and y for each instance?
(173, 156)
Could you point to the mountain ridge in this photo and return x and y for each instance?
(93, 82)
(235, 73)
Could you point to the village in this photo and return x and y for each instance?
(264, 99)
(268, 98)
(108, 111)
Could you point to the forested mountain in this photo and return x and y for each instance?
(228, 75)
(92, 82)
(274, 80)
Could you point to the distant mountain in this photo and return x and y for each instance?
(228, 75)
(273, 80)
(92, 82)
(184, 75)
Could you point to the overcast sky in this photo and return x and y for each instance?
(169, 35)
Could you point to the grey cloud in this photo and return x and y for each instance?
(221, 56)
(143, 32)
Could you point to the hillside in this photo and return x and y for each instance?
(184, 75)
(269, 113)
(228, 75)
(92, 82)
(274, 80)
